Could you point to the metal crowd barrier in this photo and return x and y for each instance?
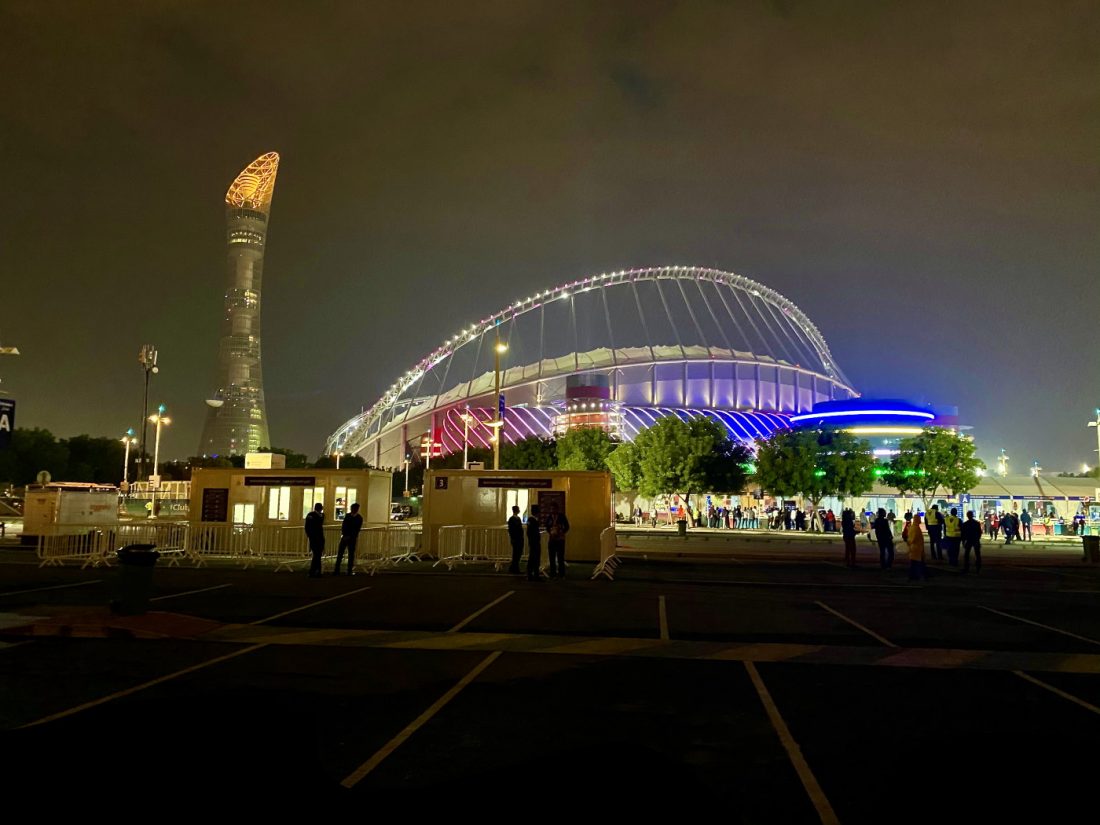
(609, 559)
(463, 543)
(282, 545)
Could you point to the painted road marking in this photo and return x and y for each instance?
(854, 623)
(1044, 626)
(54, 587)
(1069, 696)
(477, 613)
(356, 776)
(151, 683)
(190, 592)
(794, 752)
(662, 618)
(772, 583)
(311, 604)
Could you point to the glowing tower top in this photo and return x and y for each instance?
(236, 422)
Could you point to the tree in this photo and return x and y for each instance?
(585, 448)
(938, 460)
(33, 450)
(815, 464)
(531, 453)
(328, 462)
(294, 461)
(626, 470)
(687, 457)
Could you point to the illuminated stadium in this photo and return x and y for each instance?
(617, 350)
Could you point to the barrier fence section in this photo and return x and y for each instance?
(463, 543)
(609, 559)
(248, 544)
(96, 544)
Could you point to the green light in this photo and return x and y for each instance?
(819, 473)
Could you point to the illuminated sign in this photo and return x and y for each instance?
(279, 481)
(517, 483)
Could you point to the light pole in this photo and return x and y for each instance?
(406, 476)
(160, 419)
(148, 360)
(337, 457)
(466, 418)
(1096, 424)
(498, 425)
(127, 439)
(1002, 464)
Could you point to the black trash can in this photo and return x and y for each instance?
(682, 527)
(1092, 548)
(135, 579)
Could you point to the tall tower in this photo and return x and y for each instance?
(236, 422)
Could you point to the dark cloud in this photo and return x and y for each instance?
(920, 177)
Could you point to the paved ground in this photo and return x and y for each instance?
(783, 689)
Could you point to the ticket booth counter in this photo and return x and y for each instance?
(283, 497)
(485, 498)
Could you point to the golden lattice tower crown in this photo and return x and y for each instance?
(254, 186)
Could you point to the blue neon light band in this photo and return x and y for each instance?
(845, 413)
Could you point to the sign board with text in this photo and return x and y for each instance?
(279, 481)
(517, 483)
(7, 421)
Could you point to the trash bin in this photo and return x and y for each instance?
(135, 578)
(682, 527)
(1092, 548)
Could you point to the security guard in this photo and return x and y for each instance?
(934, 522)
(952, 529)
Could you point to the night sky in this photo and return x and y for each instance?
(921, 178)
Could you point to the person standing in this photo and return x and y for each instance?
(884, 535)
(914, 537)
(1008, 526)
(987, 523)
(534, 545)
(934, 522)
(515, 536)
(315, 533)
(557, 525)
(349, 537)
(1025, 523)
(972, 540)
(848, 534)
(952, 530)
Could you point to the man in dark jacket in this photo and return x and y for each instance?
(349, 537)
(972, 530)
(515, 536)
(534, 545)
(848, 534)
(557, 525)
(315, 532)
(884, 535)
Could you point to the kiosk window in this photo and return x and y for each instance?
(278, 504)
(244, 513)
(311, 496)
(345, 497)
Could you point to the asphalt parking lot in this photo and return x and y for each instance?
(784, 690)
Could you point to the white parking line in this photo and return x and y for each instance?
(1068, 696)
(54, 587)
(662, 618)
(356, 776)
(308, 606)
(817, 796)
(159, 680)
(190, 592)
(477, 613)
(1044, 626)
(856, 624)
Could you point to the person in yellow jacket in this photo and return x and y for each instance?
(914, 537)
(952, 531)
(934, 522)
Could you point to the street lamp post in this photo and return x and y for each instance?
(1002, 464)
(127, 439)
(148, 360)
(337, 457)
(1096, 424)
(466, 417)
(406, 476)
(161, 420)
(498, 424)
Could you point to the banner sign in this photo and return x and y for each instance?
(517, 483)
(7, 421)
(279, 481)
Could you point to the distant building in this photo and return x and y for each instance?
(236, 422)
